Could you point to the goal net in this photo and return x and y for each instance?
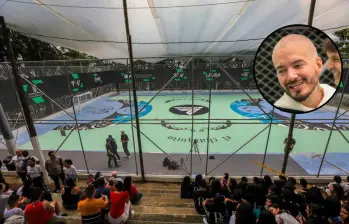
(79, 100)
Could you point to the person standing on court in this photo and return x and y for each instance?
(110, 154)
(114, 146)
(124, 140)
(54, 167)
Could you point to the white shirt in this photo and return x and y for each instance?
(287, 102)
(18, 161)
(70, 172)
(34, 172)
(11, 212)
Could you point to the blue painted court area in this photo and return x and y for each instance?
(311, 165)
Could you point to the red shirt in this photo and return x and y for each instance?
(36, 213)
(133, 191)
(117, 204)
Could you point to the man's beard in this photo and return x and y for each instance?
(300, 98)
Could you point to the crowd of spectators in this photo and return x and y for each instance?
(264, 201)
(102, 200)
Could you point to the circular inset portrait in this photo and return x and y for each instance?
(297, 68)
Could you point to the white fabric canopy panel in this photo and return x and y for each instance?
(237, 26)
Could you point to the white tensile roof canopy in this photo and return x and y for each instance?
(164, 21)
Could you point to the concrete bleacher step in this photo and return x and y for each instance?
(156, 222)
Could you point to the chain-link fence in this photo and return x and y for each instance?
(190, 108)
(265, 71)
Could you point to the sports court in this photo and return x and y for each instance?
(236, 126)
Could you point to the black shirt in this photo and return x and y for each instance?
(199, 197)
(215, 213)
(124, 137)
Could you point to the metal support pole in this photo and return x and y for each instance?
(23, 100)
(192, 118)
(7, 133)
(288, 143)
(266, 145)
(208, 129)
(129, 43)
(311, 12)
(133, 135)
(333, 124)
(82, 145)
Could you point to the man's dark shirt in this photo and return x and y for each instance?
(124, 137)
(113, 145)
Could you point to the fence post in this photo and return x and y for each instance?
(23, 100)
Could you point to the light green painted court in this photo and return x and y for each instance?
(167, 122)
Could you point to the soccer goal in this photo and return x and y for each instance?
(79, 100)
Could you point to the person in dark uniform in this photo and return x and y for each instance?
(114, 146)
(292, 143)
(110, 154)
(124, 140)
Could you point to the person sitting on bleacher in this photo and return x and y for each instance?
(186, 188)
(100, 188)
(13, 209)
(215, 210)
(91, 208)
(244, 214)
(135, 194)
(70, 195)
(121, 208)
(200, 196)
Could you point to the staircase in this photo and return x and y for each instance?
(161, 203)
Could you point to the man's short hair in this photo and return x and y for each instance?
(337, 179)
(119, 186)
(36, 193)
(111, 181)
(329, 46)
(50, 153)
(303, 182)
(68, 161)
(13, 199)
(275, 199)
(25, 153)
(90, 190)
(110, 136)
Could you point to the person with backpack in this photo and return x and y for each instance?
(114, 147)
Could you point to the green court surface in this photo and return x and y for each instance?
(171, 131)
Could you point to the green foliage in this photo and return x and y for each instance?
(29, 49)
(343, 43)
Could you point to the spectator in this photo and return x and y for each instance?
(186, 188)
(272, 199)
(267, 181)
(200, 196)
(98, 175)
(26, 155)
(266, 217)
(215, 209)
(282, 217)
(70, 170)
(121, 208)
(283, 178)
(35, 173)
(332, 208)
(336, 191)
(338, 180)
(25, 190)
(13, 207)
(100, 188)
(210, 180)
(115, 175)
(292, 180)
(70, 195)
(18, 161)
(215, 188)
(196, 182)
(314, 214)
(243, 215)
(304, 184)
(40, 211)
(344, 214)
(111, 184)
(5, 189)
(233, 185)
(90, 208)
(90, 179)
(3, 203)
(135, 195)
(244, 179)
(54, 167)
(243, 187)
(289, 203)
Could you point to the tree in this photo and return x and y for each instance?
(343, 43)
(29, 49)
